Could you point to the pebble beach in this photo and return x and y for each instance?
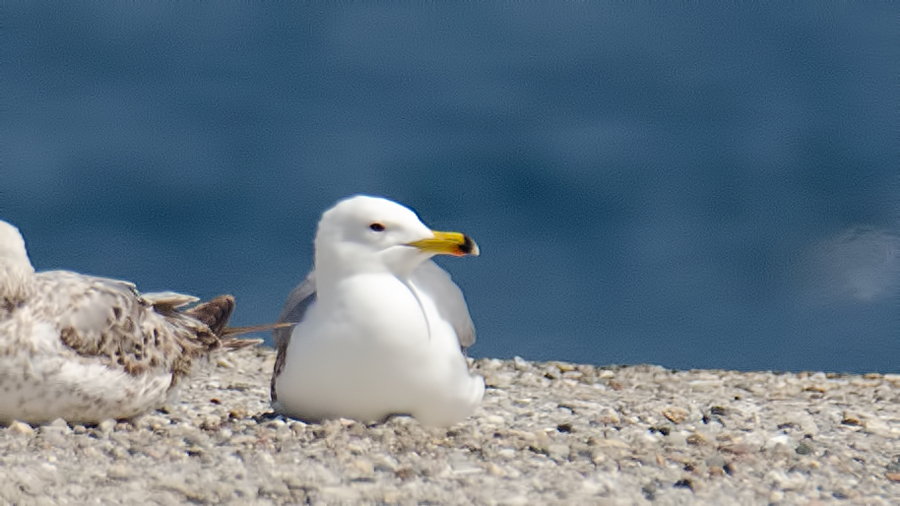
(546, 433)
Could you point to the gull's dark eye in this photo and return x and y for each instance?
(377, 227)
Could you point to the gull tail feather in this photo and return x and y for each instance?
(237, 331)
(231, 342)
(167, 302)
(214, 313)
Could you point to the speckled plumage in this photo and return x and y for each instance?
(85, 348)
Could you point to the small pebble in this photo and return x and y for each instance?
(106, 426)
(675, 414)
(119, 472)
(22, 428)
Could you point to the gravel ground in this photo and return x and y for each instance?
(547, 433)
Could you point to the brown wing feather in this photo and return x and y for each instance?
(108, 320)
(215, 313)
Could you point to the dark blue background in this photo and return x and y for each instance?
(712, 187)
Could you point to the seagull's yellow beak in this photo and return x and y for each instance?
(448, 243)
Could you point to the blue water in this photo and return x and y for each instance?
(692, 187)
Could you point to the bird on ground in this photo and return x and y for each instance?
(380, 329)
(85, 348)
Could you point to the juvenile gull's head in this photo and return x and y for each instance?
(16, 272)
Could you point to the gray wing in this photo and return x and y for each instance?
(298, 302)
(437, 283)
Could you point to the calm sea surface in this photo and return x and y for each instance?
(715, 188)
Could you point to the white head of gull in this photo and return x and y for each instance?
(16, 272)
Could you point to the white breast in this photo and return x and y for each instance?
(373, 350)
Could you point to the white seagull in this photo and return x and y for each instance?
(380, 329)
(86, 349)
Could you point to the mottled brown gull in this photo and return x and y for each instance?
(86, 348)
(381, 329)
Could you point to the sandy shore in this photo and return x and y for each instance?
(547, 433)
